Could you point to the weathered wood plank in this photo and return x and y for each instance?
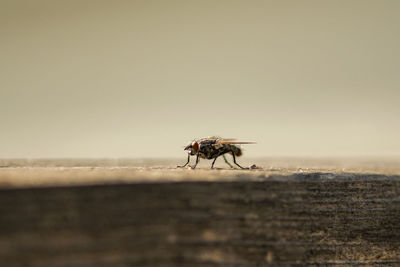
(300, 219)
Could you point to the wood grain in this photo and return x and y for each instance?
(287, 220)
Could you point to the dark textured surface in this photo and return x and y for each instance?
(296, 220)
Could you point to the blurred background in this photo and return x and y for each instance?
(141, 79)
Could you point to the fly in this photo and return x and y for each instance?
(212, 148)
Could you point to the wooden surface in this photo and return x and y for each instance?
(80, 172)
(159, 216)
(301, 219)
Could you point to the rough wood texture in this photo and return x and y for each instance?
(294, 220)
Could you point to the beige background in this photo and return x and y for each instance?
(142, 78)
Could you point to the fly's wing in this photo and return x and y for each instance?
(231, 141)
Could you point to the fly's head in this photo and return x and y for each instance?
(192, 148)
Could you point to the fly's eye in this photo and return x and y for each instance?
(195, 145)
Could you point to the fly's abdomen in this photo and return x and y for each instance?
(236, 150)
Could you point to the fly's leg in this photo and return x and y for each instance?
(234, 161)
(227, 162)
(197, 161)
(212, 165)
(186, 163)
